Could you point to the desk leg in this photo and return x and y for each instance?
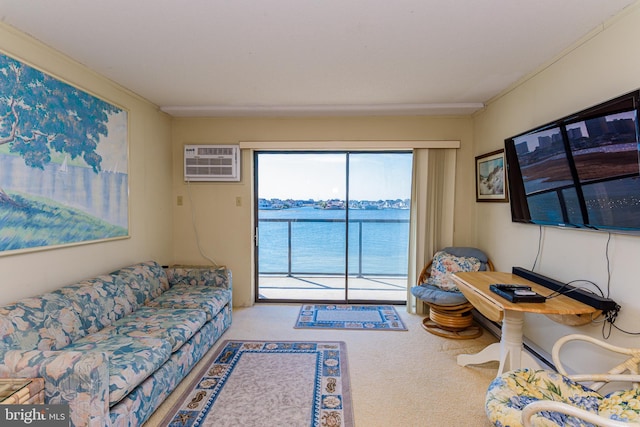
(509, 351)
(491, 353)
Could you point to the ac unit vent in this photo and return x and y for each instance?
(212, 163)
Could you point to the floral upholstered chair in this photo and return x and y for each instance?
(449, 310)
(528, 397)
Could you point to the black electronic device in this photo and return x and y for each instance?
(511, 287)
(515, 294)
(596, 301)
(580, 171)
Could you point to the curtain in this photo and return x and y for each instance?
(432, 207)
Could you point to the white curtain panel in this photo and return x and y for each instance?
(432, 205)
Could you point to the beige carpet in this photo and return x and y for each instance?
(411, 380)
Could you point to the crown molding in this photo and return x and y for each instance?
(455, 109)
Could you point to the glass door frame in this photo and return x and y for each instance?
(345, 276)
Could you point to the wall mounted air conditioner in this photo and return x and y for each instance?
(212, 163)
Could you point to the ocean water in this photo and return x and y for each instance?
(313, 241)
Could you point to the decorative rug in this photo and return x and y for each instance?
(269, 383)
(322, 316)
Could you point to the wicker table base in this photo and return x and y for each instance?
(21, 391)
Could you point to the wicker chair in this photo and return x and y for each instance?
(449, 311)
(529, 397)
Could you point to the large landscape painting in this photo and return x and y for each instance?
(63, 163)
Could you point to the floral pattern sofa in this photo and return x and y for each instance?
(115, 346)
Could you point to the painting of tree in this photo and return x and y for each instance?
(55, 141)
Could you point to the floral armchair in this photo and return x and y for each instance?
(449, 310)
(528, 397)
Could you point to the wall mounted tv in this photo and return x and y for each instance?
(581, 171)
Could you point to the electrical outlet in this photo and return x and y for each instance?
(238, 201)
(179, 200)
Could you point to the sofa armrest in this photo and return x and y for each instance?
(199, 275)
(80, 379)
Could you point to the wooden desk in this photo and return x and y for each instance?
(509, 351)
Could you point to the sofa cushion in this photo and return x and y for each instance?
(99, 301)
(131, 359)
(510, 392)
(146, 280)
(45, 322)
(445, 264)
(219, 277)
(207, 298)
(435, 295)
(174, 325)
(621, 405)
(465, 251)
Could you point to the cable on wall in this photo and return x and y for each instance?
(609, 322)
(610, 317)
(606, 255)
(539, 248)
(195, 229)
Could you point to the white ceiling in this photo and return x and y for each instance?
(293, 57)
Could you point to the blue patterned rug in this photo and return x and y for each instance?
(323, 316)
(269, 383)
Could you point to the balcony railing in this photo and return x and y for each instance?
(389, 255)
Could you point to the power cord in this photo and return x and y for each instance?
(609, 324)
(609, 317)
(539, 248)
(560, 292)
(195, 229)
(606, 255)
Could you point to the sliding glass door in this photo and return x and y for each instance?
(332, 226)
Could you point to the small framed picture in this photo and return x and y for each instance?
(491, 182)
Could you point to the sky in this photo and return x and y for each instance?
(113, 148)
(321, 176)
(532, 138)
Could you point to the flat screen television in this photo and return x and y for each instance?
(581, 171)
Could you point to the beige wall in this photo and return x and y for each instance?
(225, 230)
(150, 165)
(605, 66)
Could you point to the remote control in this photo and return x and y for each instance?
(523, 292)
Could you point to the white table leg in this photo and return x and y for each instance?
(488, 354)
(509, 351)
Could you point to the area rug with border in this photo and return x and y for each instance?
(349, 316)
(269, 383)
